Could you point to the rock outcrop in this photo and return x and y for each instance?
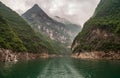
(7, 56)
(10, 56)
(97, 55)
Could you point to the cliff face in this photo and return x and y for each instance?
(53, 29)
(7, 55)
(102, 31)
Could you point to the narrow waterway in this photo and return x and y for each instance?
(61, 68)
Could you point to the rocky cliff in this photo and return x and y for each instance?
(53, 29)
(7, 55)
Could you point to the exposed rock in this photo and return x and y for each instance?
(97, 55)
(29, 56)
(58, 29)
(7, 56)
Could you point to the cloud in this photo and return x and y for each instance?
(77, 11)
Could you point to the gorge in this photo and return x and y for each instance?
(36, 45)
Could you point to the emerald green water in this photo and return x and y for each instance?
(61, 68)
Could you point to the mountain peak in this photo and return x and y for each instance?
(36, 5)
(36, 11)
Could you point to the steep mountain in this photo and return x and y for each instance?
(74, 28)
(17, 35)
(53, 29)
(102, 31)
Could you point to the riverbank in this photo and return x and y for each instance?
(9, 56)
(97, 55)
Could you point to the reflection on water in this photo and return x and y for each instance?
(24, 69)
(6, 68)
(61, 68)
(98, 68)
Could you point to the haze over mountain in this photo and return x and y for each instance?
(76, 11)
(55, 30)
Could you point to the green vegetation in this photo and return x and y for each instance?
(110, 46)
(8, 39)
(107, 19)
(54, 47)
(17, 35)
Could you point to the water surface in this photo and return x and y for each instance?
(61, 68)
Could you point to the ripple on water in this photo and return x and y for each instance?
(59, 69)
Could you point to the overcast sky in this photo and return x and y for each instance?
(77, 11)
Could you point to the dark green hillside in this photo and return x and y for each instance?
(102, 31)
(8, 38)
(108, 8)
(27, 38)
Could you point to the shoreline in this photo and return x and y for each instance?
(9, 56)
(97, 55)
(33, 56)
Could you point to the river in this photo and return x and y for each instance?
(61, 68)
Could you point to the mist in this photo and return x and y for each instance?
(76, 11)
